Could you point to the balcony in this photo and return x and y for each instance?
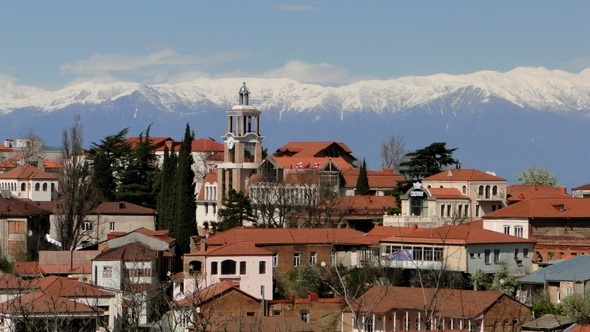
(425, 265)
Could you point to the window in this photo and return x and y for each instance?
(206, 208)
(333, 258)
(296, 259)
(304, 315)
(515, 253)
(569, 290)
(477, 210)
(37, 186)
(480, 190)
(262, 267)
(242, 267)
(23, 187)
(112, 226)
(438, 254)
(487, 257)
(495, 190)
(107, 272)
(442, 210)
(313, 257)
(471, 255)
(464, 190)
(368, 324)
(506, 229)
(228, 267)
(44, 186)
(518, 231)
(496, 256)
(275, 260)
(214, 268)
(87, 226)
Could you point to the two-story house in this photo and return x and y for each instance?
(461, 248)
(28, 181)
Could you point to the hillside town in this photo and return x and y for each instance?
(142, 233)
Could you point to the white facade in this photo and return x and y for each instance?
(206, 212)
(514, 227)
(40, 190)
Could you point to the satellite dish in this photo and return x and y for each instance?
(30, 232)
(168, 273)
(323, 264)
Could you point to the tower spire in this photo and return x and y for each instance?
(244, 95)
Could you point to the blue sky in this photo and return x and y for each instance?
(52, 44)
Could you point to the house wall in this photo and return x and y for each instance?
(506, 315)
(517, 266)
(324, 314)
(99, 278)
(497, 225)
(35, 190)
(560, 238)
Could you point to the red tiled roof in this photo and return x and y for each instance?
(238, 248)
(385, 178)
(449, 302)
(163, 234)
(132, 252)
(64, 269)
(39, 302)
(66, 287)
(26, 268)
(27, 172)
(157, 142)
(309, 149)
(365, 204)
(52, 164)
(447, 193)
(298, 162)
(267, 236)
(216, 156)
(14, 207)
(210, 292)
(583, 187)
(379, 233)
(122, 208)
(461, 174)
(519, 192)
(456, 234)
(206, 145)
(10, 281)
(562, 208)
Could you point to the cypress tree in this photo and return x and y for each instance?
(362, 182)
(184, 223)
(166, 196)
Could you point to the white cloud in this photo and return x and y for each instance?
(295, 8)
(101, 64)
(317, 73)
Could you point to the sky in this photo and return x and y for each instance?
(55, 44)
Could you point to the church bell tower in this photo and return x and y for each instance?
(243, 146)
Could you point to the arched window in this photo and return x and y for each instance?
(480, 190)
(53, 187)
(195, 267)
(45, 186)
(37, 186)
(228, 267)
(487, 191)
(495, 190)
(464, 190)
(23, 187)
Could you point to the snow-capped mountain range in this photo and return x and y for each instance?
(499, 121)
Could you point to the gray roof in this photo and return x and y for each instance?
(548, 322)
(573, 269)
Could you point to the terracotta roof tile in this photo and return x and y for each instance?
(299, 162)
(450, 302)
(48, 164)
(39, 302)
(378, 233)
(26, 268)
(447, 193)
(14, 207)
(206, 145)
(238, 248)
(132, 252)
(545, 208)
(66, 287)
(519, 192)
(266, 236)
(122, 208)
(461, 174)
(27, 172)
(582, 187)
(210, 292)
(385, 178)
(456, 234)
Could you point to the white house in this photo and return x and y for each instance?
(28, 181)
(242, 262)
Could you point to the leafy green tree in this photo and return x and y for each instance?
(137, 178)
(577, 307)
(183, 225)
(538, 175)
(166, 195)
(427, 161)
(236, 210)
(500, 281)
(362, 182)
(106, 163)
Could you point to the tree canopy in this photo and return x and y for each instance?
(427, 161)
(538, 175)
(106, 162)
(237, 209)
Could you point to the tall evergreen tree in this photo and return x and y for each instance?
(136, 183)
(427, 161)
(362, 182)
(166, 195)
(237, 209)
(106, 163)
(184, 225)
